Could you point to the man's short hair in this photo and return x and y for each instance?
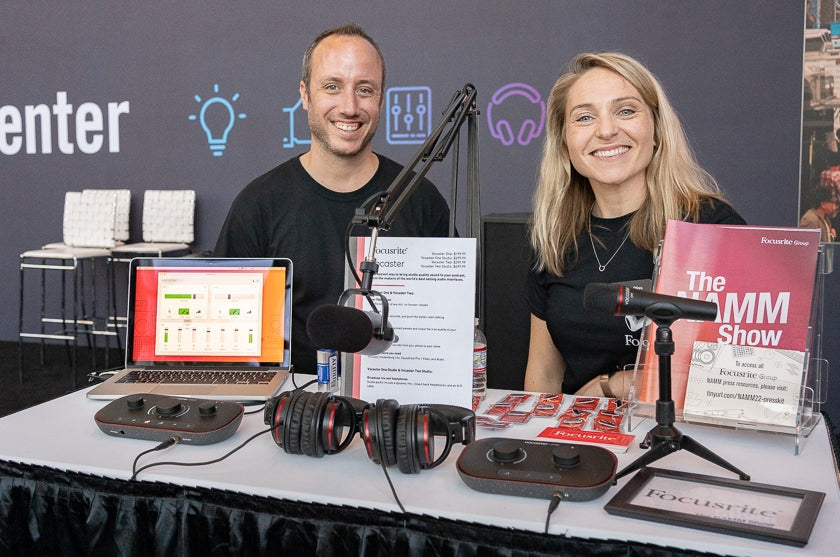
(824, 194)
(346, 30)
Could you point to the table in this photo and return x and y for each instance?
(63, 481)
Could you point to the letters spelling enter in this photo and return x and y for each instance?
(88, 126)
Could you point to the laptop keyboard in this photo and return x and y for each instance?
(198, 377)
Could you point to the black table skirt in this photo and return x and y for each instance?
(44, 511)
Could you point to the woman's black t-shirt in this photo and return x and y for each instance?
(593, 343)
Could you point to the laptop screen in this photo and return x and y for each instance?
(209, 312)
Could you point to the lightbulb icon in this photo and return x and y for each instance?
(222, 118)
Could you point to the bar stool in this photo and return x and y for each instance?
(88, 232)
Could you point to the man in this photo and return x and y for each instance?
(302, 208)
(825, 208)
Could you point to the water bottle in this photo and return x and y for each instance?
(479, 363)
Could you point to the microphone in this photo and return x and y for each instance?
(348, 329)
(617, 299)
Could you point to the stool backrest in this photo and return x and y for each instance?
(168, 216)
(90, 219)
(122, 210)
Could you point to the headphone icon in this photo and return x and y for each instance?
(528, 129)
(318, 424)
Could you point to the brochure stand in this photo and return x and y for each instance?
(812, 390)
(815, 382)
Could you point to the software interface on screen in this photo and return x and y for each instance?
(195, 314)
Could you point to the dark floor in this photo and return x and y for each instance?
(53, 379)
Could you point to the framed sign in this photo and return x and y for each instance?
(728, 506)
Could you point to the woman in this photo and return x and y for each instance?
(616, 167)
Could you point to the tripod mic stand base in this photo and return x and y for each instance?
(663, 440)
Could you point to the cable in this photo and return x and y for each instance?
(176, 439)
(165, 444)
(348, 255)
(552, 506)
(102, 375)
(171, 463)
(294, 384)
(258, 410)
(393, 489)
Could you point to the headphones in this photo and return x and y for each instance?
(318, 424)
(528, 129)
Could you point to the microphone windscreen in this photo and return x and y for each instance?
(339, 327)
(603, 297)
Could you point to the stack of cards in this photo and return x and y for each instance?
(589, 420)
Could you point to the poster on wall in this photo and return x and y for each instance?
(819, 191)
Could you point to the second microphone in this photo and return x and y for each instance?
(348, 329)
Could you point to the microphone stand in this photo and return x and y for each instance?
(461, 108)
(664, 438)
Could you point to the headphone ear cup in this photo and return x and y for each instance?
(412, 439)
(379, 431)
(292, 429)
(310, 443)
(275, 410)
(337, 415)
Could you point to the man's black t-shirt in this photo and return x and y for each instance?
(285, 213)
(592, 343)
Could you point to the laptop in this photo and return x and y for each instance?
(217, 328)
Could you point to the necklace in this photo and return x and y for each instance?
(603, 266)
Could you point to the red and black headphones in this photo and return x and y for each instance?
(318, 424)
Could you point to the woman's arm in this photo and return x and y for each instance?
(546, 368)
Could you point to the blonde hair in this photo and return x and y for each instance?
(675, 181)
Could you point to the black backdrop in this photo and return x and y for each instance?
(733, 70)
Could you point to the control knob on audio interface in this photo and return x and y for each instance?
(538, 469)
(158, 418)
